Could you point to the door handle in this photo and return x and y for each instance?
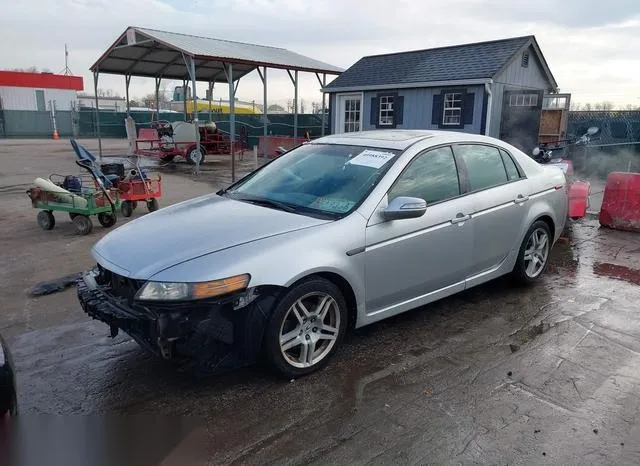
(460, 218)
(520, 199)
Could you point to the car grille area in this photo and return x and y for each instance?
(117, 285)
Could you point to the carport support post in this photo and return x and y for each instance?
(127, 81)
(184, 98)
(211, 84)
(265, 119)
(95, 88)
(191, 66)
(323, 84)
(295, 105)
(232, 120)
(158, 98)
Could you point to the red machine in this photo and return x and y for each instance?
(167, 140)
(139, 189)
(579, 190)
(621, 202)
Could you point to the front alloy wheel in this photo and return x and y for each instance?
(534, 253)
(306, 328)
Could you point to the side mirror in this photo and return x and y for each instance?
(536, 151)
(405, 207)
(593, 130)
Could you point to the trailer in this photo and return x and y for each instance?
(167, 140)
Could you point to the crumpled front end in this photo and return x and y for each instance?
(221, 333)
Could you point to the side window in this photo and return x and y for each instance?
(510, 166)
(432, 176)
(484, 165)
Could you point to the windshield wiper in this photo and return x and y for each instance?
(264, 202)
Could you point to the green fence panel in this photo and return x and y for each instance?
(112, 123)
(27, 124)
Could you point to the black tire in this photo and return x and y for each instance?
(126, 209)
(152, 205)
(72, 215)
(107, 219)
(280, 316)
(520, 273)
(167, 158)
(46, 220)
(191, 154)
(83, 224)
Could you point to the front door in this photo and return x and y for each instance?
(411, 262)
(349, 118)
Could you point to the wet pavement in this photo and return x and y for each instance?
(547, 374)
(496, 375)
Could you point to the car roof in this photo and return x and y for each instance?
(401, 139)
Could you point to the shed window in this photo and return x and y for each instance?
(452, 108)
(525, 59)
(386, 111)
(523, 100)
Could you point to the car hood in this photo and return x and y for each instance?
(190, 229)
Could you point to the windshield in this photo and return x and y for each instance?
(323, 179)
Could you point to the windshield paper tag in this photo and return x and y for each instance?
(371, 158)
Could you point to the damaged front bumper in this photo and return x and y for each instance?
(223, 333)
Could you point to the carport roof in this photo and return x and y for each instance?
(152, 53)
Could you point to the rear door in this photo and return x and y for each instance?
(499, 197)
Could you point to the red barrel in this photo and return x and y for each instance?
(621, 202)
(578, 199)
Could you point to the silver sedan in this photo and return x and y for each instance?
(340, 232)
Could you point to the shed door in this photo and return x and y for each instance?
(40, 101)
(349, 118)
(520, 121)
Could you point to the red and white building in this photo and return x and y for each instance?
(34, 91)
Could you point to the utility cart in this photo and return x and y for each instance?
(80, 198)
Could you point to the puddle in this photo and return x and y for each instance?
(618, 272)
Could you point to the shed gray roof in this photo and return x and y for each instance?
(152, 53)
(467, 62)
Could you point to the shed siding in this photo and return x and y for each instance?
(418, 104)
(24, 98)
(514, 76)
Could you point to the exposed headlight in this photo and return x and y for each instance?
(168, 291)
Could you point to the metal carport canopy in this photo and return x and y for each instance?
(167, 55)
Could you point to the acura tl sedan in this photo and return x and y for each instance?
(337, 233)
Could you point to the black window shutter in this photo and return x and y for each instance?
(438, 109)
(375, 102)
(467, 108)
(398, 109)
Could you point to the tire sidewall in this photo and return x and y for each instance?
(519, 270)
(271, 344)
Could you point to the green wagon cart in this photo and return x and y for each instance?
(89, 200)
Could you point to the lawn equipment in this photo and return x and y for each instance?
(166, 140)
(135, 186)
(579, 190)
(78, 197)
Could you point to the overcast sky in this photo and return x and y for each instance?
(592, 47)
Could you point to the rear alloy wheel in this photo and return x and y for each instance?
(533, 256)
(306, 328)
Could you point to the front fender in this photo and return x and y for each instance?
(285, 259)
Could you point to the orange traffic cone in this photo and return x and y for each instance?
(55, 134)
